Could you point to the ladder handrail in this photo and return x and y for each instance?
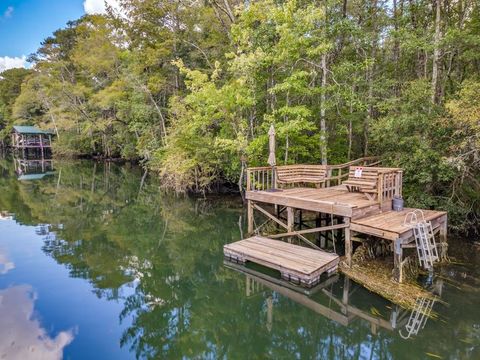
(414, 217)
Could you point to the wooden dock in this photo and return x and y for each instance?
(297, 264)
(390, 224)
(347, 199)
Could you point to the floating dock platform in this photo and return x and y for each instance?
(296, 264)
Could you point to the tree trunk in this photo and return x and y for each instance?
(370, 70)
(436, 54)
(396, 49)
(323, 126)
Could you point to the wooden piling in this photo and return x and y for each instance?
(397, 260)
(290, 221)
(348, 241)
(443, 231)
(250, 216)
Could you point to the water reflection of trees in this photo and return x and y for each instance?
(161, 256)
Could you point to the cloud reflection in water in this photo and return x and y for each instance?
(21, 334)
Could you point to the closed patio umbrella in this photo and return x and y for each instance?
(271, 146)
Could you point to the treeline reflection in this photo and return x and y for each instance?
(161, 257)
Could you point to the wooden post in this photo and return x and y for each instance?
(318, 223)
(443, 240)
(397, 260)
(290, 221)
(348, 241)
(40, 137)
(380, 189)
(443, 231)
(250, 216)
(323, 236)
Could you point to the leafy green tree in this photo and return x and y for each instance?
(10, 87)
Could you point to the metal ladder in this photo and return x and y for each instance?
(424, 238)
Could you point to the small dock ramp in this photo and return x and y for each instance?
(297, 264)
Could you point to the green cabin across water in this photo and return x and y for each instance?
(30, 139)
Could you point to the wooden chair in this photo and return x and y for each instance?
(364, 180)
(306, 174)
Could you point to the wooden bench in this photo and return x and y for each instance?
(364, 180)
(308, 174)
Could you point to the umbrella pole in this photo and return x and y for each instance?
(274, 177)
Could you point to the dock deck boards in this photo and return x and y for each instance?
(295, 263)
(337, 199)
(390, 224)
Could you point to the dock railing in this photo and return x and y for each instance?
(264, 177)
(261, 178)
(337, 173)
(390, 183)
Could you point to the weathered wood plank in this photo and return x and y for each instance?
(299, 203)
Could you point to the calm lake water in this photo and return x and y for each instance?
(96, 263)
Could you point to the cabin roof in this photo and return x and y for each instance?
(31, 130)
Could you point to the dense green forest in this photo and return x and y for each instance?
(190, 88)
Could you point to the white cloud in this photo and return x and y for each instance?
(7, 62)
(98, 6)
(9, 12)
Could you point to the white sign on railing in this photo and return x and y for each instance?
(358, 172)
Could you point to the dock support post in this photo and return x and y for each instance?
(318, 223)
(443, 241)
(397, 260)
(250, 216)
(290, 221)
(323, 236)
(443, 231)
(348, 241)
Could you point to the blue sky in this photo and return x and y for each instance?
(24, 24)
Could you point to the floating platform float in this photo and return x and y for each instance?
(295, 263)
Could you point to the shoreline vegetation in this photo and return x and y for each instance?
(189, 92)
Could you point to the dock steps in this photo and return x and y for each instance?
(295, 263)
